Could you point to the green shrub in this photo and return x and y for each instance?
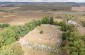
(41, 31)
(4, 25)
(65, 35)
(53, 53)
(51, 20)
(13, 49)
(83, 23)
(66, 27)
(45, 20)
(63, 26)
(13, 33)
(7, 37)
(56, 23)
(75, 44)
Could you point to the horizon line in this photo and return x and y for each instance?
(48, 2)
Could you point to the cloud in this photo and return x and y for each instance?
(45, 0)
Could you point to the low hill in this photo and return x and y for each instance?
(43, 40)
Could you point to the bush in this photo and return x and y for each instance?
(13, 33)
(83, 23)
(51, 20)
(45, 20)
(63, 26)
(13, 49)
(72, 40)
(4, 25)
(41, 31)
(53, 53)
(66, 27)
(75, 44)
(7, 37)
(56, 23)
(65, 35)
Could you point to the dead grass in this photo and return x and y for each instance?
(18, 18)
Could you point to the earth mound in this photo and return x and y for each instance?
(43, 40)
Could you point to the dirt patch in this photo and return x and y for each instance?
(1, 29)
(81, 30)
(45, 43)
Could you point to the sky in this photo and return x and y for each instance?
(42, 0)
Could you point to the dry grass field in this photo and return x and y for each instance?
(20, 18)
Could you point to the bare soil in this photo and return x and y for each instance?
(81, 30)
(41, 44)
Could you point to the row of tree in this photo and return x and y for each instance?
(12, 33)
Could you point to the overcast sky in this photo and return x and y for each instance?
(43, 0)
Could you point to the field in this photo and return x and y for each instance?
(20, 18)
(20, 13)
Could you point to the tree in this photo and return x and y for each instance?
(51, 20)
